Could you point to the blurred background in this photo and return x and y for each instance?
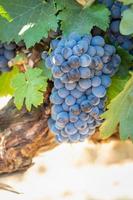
(83, 171)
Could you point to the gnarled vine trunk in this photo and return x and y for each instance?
(22, 134)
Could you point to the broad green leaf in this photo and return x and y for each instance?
(5, 82)
(126, 2)
(31, 20)
(126, 25)
(116, 87)
(126, 62)
(76, 18)
(29, 88)
(120, 112)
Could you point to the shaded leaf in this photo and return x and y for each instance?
(126, 62)
(76, 18)
(120, 112)
(31, 20)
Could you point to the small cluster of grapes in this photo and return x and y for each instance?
(7, 52)
(81, 68)
(116, 8)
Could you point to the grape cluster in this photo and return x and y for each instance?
(7, 52)
(116, 8)
(82, 67)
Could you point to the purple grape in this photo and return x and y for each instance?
(70, 86)
(97, 41)
(63, 118)
(58, 83)
(63, 92)
(55, 98)
(70, 100)
(99, 91)
(96, 81)
(74, 62)
(99, 51)
(66, 52)
(57, 59)
(56, 72)
(10, 46)
(3, 62)
(73, 75)
(86, 106)
(106, 80)
(65, 67)
(70, 129)
(85, 83)
(85, 72)
(76, 93)
(80, 125)
(75, 109)
(9, 54)
(85, 60)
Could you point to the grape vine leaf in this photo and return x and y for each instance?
(29, 88)
(76, 18)
(120, 112)
(116, 87)
(126, 62)
(126, 25)
(31, 20)
(5, 82)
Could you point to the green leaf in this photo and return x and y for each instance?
(126, 62)
(31, 20)
(47, 72)
(5, 82)
(76, 18)
(29, 88)
(4, 14)
(126, 25)
(116, 87)
(120, 111)
(126, 2)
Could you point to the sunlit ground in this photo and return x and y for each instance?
(83, 171)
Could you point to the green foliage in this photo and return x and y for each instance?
(120, 112)
(46, 72)
(126, 62)
(116, 87)
(29, 88)
(4, 14)
(76, 18)
(126, 25)
(5, 82)
(122, 76)
(31, 20)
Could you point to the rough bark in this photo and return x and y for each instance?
(22, 134)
